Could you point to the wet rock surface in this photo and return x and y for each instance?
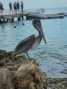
(21, 73)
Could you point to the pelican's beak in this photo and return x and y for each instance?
(44, 39)
(43, 36)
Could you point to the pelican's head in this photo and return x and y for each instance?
(37, 24)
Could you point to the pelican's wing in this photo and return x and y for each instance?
(24, 45)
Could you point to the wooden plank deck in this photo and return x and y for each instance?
(45, 16)
(9, 15)
(29, 15)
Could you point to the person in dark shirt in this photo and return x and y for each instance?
(10, 6)
(18, 5)
(15, 6)
(1, 6)
(21, 6)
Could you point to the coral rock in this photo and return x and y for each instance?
(5, 79)
(29, 76)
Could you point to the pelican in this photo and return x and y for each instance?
(30, 42)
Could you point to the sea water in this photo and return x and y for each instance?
(52, 57)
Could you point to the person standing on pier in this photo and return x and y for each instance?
(1, 6)
(18, 5)
(10, 6)
(15, 6)
(22, 6)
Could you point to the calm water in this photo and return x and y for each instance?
(52, 58)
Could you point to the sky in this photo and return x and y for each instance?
(45, 3)
(32, 4)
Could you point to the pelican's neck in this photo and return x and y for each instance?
(39, 32)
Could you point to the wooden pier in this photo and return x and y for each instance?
(45, 16)
(11, 15)
(4, 17)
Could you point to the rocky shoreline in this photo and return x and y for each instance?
(57, 83)
(21, 73)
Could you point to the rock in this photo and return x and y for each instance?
(4, 57)
(3, 53)
(29, 76)
(57, 83)
(5, 79)
(21, 59)
(16, 62)
(7, 58)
